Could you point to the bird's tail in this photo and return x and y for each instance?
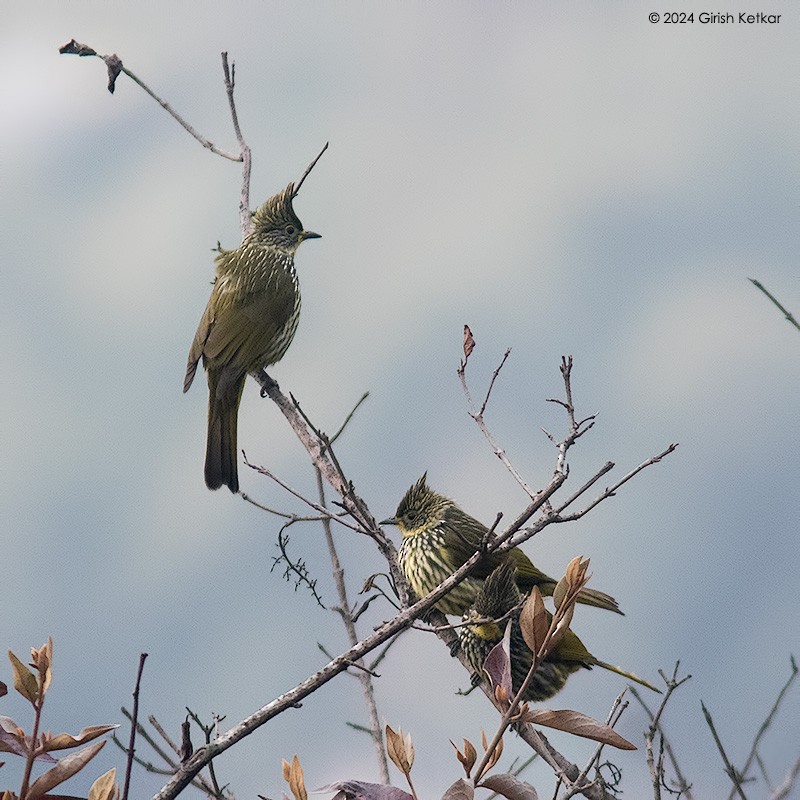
(223, 410)
(592, 597)
(629, 675)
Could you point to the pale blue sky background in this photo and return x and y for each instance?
(565, 179)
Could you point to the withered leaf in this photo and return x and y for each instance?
(293, 775)
(64, 769)
(469, 342)
(510, 787)
(468, 757)
(65, 740)
(43, 661)
(496, 753)
(3, 689)
(533, 621)
(360, 790)
(114, 65)
(103, 788)
(24, 680)
(400, 749)
(580, 725)
(76, 49)
(460, 790)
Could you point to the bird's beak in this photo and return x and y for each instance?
(390, 521)
(310, 235)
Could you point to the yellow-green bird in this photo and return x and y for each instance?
(248, 324)
(497, 597)
(438, 538)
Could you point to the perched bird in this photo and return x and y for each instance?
(438, 537)
(248, 324)
(499, 599)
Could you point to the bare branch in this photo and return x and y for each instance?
(365, 675)
(74, 48)
(132, 740)
(484, 428)
(787, 314)
(657, 767)
(229, 74)
(730, 770)
(768, 721)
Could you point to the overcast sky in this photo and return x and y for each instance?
(567, 178)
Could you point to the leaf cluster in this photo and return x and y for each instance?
(33, 681)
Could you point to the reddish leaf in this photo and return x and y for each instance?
(469, 342)
(359, 790)
(63, 769)
(580, 725)
(460, 790)
(65, 740)
(498, 665)
(468, 757)
(533, 621)
(510, 787)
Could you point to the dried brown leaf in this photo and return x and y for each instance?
(12, 737)
(75, 48)
(496, 753)
(293, 775)
(469, 342)
(468, 757)
(43, 661)
(579, 725)
(65, 740)
(400, 750)
(64, 769)
(3, 689)
(24, 680)
(510, 787)
(460, 790)
(561, 628)
(104, 788)
(295, 778)
(533, 621)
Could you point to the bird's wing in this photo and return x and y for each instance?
(243, 327)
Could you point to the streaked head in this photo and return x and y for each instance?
(420, 510)
(276, 225)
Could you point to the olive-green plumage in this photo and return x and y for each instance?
(497, 597)
(248, 324)
(438, 537)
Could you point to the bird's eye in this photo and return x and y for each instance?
(290, 230)
(411, 516)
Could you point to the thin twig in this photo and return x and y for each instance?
(74, 48)
(768, 721)
(657, 770)
(611, 490)
(324, 513)
(132, 740)
(730, 771)
(787, 314)
(478, 417)
(246, 155)
(364, 675)
(617, 710)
